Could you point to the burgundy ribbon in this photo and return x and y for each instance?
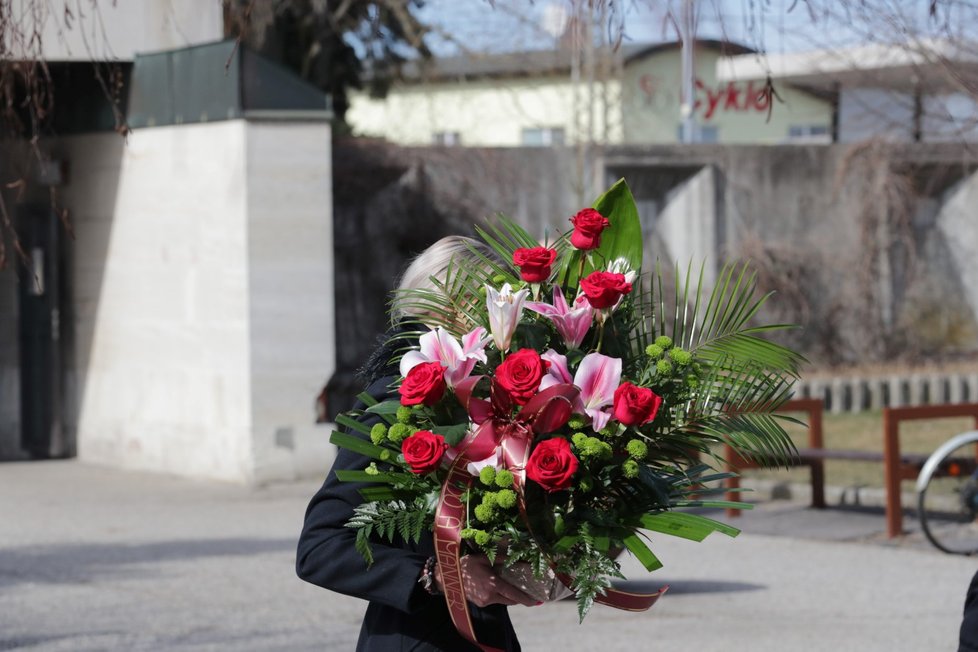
(513, 435)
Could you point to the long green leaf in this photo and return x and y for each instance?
(353, 424)
(352, 475)
(357, 445)
(686, 525)
(641, 551)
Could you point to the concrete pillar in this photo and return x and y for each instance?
(876, 401)
(860, 395)
(203, 297)
(937, 389)
(894, 385)
(916, 384)
(954, 388)
(838, 387)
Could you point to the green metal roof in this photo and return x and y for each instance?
(218, 81)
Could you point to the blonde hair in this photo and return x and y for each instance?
(430, 269)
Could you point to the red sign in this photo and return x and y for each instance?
(732, 96)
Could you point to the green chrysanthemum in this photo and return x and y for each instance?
(680, 356)
(504, 479)
(664, 341)
(482, 538)
(579, 439)
(378, 433)
(637, 449)
(487, 475)
(484, 512)
(398, 432)
(576, 422)
(403, 414)
(664, 367)
(654, 351)
(506, 498)
(630, 468)
(594, 447)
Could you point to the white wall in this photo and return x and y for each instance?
(290, 294)
(875, 113)
(199, 277)
(118, 29)
(489, 113)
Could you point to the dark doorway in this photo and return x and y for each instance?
(40, 334)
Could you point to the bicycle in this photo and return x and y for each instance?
(947, 495)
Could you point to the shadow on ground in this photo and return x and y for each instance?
(77, 563)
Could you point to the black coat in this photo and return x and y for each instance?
(968, 641)
(401, 614)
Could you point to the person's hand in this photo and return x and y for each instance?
(483, 587)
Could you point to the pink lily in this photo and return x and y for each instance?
(505, 309)
(598, 377)
(458, 359)
(571, 323)
(557, 373)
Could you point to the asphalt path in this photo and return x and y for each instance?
(102, 559)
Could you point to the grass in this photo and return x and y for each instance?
(864, 431)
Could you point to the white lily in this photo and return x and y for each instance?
(505, 309)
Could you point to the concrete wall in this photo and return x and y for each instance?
(957, 223)
(180, 273)
(290, 294)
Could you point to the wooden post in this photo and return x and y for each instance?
(891, 474)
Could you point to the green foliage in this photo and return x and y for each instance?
(387, 520)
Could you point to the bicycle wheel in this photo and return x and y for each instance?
(947, 495)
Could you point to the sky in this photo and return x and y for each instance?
(774, 26)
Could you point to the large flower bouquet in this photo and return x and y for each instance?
(559, 407)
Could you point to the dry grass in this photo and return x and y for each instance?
(865, 432)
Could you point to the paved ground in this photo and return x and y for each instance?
(96, 559)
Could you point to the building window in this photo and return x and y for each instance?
(809, 133)
(543, 136)
(702, 134)
(447, 138)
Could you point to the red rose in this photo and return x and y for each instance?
(425, 383)
(603, 289)
(636, 405)
(520, 375)
(423, 451)
(534, 263)
(552, 464)
(588, 225)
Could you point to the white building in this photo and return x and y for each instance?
(921, 92)
(541, 98)
(187, 325)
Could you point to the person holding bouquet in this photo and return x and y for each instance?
(555, 412)
(406, 609)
